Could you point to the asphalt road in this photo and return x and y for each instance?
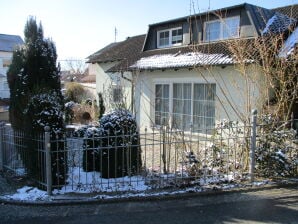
(278, 205)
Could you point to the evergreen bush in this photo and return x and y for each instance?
(113, 148)
(36, 100)
(121, 153)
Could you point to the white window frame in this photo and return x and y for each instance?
(171, 100)
(222, 27)
(170, 37)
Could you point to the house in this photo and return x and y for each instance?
(187, 74)
(7, 45)
(110, 67)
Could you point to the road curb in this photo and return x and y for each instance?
(75, 200)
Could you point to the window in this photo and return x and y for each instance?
(162, 104)
(204, 106)
(181, 105)
(192, 103)
(222, 29)
(170, 37)
(117, 94)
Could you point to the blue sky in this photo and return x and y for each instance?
(81, 27)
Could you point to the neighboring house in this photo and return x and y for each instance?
(110, 66)
(186, 76)
(7, 45)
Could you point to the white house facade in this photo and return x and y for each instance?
(7, 45)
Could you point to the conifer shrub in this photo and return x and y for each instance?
(36, 101)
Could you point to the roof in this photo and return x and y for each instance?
(128, 50)
(289, 10)
(278, 23)
(98, 53)
(289, 45)
(216, 53)
(9, 42)
(131, 55)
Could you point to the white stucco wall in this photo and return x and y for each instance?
(106, 81)
(232, 100)
(4, 89)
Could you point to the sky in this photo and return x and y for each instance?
(82, 27)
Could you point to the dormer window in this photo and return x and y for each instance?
(222, 29)
(169, 37)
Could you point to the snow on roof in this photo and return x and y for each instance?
(289, 44)
(277, 24)
(181, 60)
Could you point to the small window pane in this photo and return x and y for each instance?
(161, 104)
(212, 31)
(203, 106)
(158, 90)
(176, 36)
(177, 90)
(231, 27)
(164, 38)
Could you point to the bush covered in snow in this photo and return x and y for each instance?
(46, 109)
(113, 147)
(92, 146)
(276, 154)
(120, 143)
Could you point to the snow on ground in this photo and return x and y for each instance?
(27, 193)
(89, 182)
(135, 188)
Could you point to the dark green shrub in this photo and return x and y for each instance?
(69, 113)
(91, 145)
(44, 110)
(121, 152)
(113, 147)
(101, 107)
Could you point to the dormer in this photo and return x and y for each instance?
(240, 21)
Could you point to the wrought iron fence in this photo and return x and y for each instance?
(150, 159)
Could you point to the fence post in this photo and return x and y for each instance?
(1, 144)
(47, 138)
(253, 144)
